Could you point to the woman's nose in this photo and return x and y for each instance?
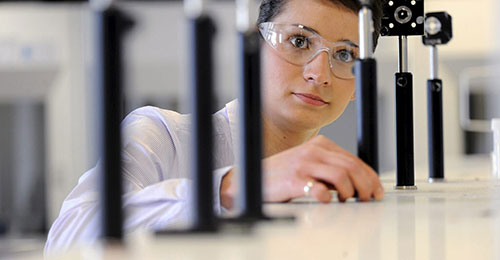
(318, 71)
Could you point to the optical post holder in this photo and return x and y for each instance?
(250, 170)
(201, 36)
(111, 26)
(438, 31)
(250, 196)
(404, 18)
(365, 70)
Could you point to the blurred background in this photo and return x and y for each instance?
(47, 109)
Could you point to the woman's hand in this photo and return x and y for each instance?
(320, 160)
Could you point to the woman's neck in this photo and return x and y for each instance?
(277, 139)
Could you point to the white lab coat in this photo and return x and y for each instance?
(155, 177)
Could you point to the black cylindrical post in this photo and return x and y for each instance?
(405, 176)
(366, 90)
(201, 38)
(111, 24)
(366, 97)
(435, 129)
(202, 31)
(250, 123)
(405, 170)
(250, 127)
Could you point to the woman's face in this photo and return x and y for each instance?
(287, 88)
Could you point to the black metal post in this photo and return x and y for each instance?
(405, 172)
(202, 30)
(250, 124)
(366, 97)
(366, 91)
(435, 117)
(405, 177)
(201, 35)
(111, 24)
(250, 127)
(435, 129)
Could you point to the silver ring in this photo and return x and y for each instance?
(308, 187)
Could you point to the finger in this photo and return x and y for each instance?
(331, 146)
(333, 175)
(320, 192)
(361, 180)
(365, 179)
(378, 194)
(368, 168)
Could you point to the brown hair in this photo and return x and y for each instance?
(269, 9)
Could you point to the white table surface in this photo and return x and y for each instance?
(458, 219)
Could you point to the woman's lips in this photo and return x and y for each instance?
(311, 99)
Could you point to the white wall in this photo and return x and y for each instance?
(59, 28)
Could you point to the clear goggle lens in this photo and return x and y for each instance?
(299, 45)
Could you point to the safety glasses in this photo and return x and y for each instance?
(299, 45)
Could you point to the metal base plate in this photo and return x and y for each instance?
(436, 180)
(405, 187)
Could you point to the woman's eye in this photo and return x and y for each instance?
(344, 56)
(300, 42)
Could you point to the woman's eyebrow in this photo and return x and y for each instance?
(306, 27)
(349, 42)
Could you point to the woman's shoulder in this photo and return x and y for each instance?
(158, 119)
(155, 114)
(152, 125)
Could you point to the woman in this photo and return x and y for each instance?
(307, 56)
